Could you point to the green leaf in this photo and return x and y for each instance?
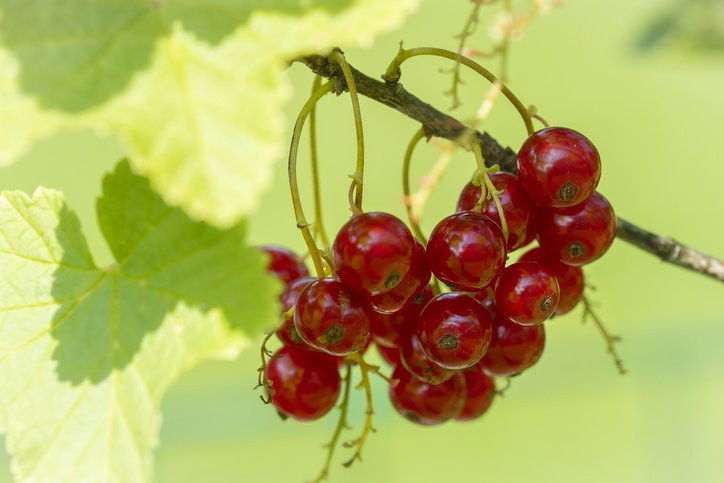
(73, 62)
(204, 121)
(86, 353)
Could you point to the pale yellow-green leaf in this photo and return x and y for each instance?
(204, 122)
(86, 354)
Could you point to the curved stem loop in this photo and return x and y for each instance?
(392, 74)
(414, 222)
(293, 182)
(318, 224)
(358, 176)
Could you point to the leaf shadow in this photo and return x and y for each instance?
(164, 259)
(96, 332)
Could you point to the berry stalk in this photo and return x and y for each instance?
(359, 442)
(341, 425)
(318, 224)
(439, 124)
(610, 339)
(302, 224)
(414, 222)
(392, 75)
(358, 176)
(490, 189)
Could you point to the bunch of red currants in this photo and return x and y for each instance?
(446, 346)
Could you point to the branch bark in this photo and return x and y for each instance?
(438, 124)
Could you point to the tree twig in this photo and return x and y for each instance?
(670, 250)
(438, 124)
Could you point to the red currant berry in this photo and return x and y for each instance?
(469, 197)
(390, 355)
(408, 289)
(527, 293)
(558, 167)
(305, 384)
(284, 263)
(287, 333)
(514, 348)
(580, 234)
(532, 232)
(570, 279)
(363, 350)
(373, 252)
(330, 317)
(424, 403)
(480, 391)
(516, 206)
(466, 250)
(389, 329)
(454, 330)
(486, 297)
(414, 359)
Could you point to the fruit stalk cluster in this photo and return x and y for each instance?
(438, 124)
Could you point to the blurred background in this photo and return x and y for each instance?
(644, 79)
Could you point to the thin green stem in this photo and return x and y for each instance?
(392, 74)
(293, 182)
(318, 224)
(539, 118)
(262, 380)
(414, 224)
(610, 339)
(358, 176)
(470, 25)
(341, 425)
(479, 181)
(359, 443)
(503, 390)
(492, 190)
(504, 47)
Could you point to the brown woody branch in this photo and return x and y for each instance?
(438, 124)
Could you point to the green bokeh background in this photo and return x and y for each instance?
(657, 121)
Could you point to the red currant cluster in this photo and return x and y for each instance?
(446, 347)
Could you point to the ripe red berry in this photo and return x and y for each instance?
(466, 250)
(287, 333)
(468, 198)
(532, 232)
(284, 264)
(570, 279)
(372, 252)
(414, 359)
(486, 297)
(580, 234)
(516, 206)
(513, 349)
(389, 329)
(305, 384)
(527, 293)
(558, 167)
(390, 355)
(363, 350)
(409, 288)
(330, 317)
(424, 403)
(454, 330)
(480, 391)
